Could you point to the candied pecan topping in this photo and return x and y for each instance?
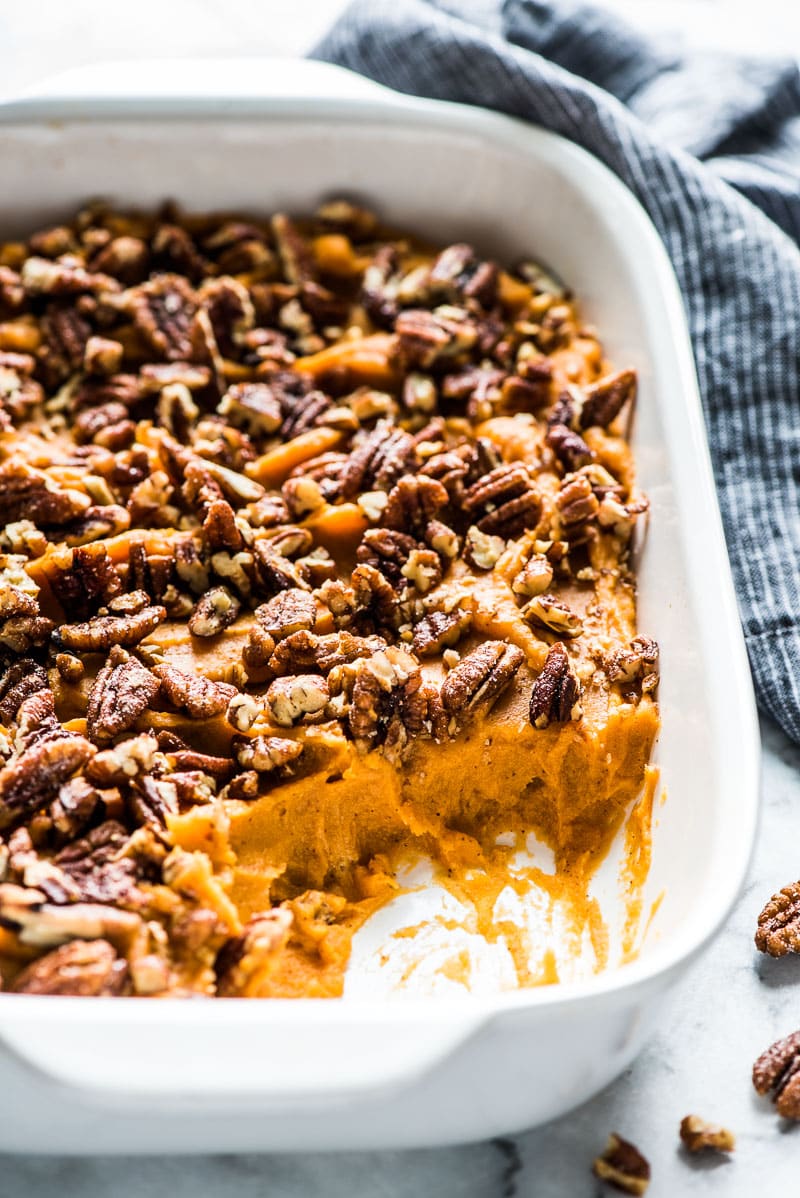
(123, 689)
(569, 447)
(698, 1135)
(163, 309)
(778, 931)
(214, 612)
(440, 630)
(102, 632)
(605, 399)
(199, 697)
(98, 867)
(378, 461)
(267, 754)
(545, 611)
(47, 757)
(245, 958)
(505, 499)
(81, 967)
(777, 1072)
(277, 571)
(556, 692)
(413, 502)
(26, 493)
(287, 612)
(291, 698)
(387, 551)
(21, 680)
(427, 337)
(637, 664)
(623, 1166)
(480, 677)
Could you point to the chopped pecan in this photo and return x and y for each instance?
(556, 692)
(253, 406)
(123, 689)
(199, 697)
(480, 677)
(378, 461)
(296, 257)
(21, 680)
(303, 496)
(276, 570)
(75, 806)
(545, 611)
(26, 493)
(778, 931)
(637, 664)
(506, 501)
(569, 447)
(287, 612)
(43, 924)
(100, 868)
(49, 755)
(440, 630)
(214, 612)
(413, 502)
(623, 1166)
(81, 967)
(535, 576)
(291, 698)
(102, 356)
(380, 683)
(375, 598)
(102, 632)
(482, 550)
(387, 551)
(90, 577)
(126, 258)
(697, 1135)
(777, 1072)
(576, 504)
(249, 958)
(163, 309)
(423, 570)
(64, 277)
(427, 337)
(459, 274)
(605, 399)
(124, 761)
(267, 754)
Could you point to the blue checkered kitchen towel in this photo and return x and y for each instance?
(710, 145)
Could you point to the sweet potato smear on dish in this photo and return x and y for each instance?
(315, 557)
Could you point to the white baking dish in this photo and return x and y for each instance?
(114, 1075)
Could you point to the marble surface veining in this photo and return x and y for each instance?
(731, 1006)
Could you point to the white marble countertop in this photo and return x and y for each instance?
(732, 1005)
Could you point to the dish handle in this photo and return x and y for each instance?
(274, 1050)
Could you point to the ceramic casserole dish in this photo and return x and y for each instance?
(114, 1075)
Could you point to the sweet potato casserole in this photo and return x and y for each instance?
(316, 556)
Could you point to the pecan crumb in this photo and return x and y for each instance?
(696, 1134)
(623, 1166)
(81, 967)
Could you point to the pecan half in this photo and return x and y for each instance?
(99, 868)
(440, 630)
(287, 612)
(777, 1072)
(413, 502)
(569, 447)
(556, 692)
(163, 310)
(623, 1166)
(506, 501)
(48, 757)
(123, 689)
(85, 968)
(102, 632)
(605, 399)
(480, 677)
(245, 959)
(199, 697)
(698, 1135)
(378, 461)
(428, 337)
